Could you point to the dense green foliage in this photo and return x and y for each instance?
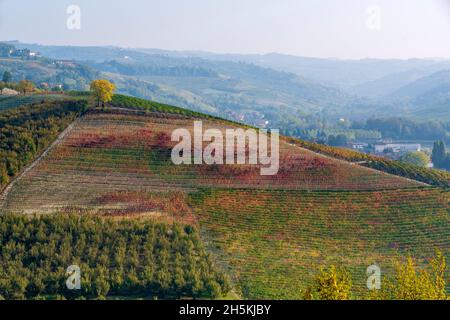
(440, 156)
(7, 77)
(325, 131)
(430, 176)
(130, 69)
(115, 257)
(337, 141)
(26, 131)
(319, 130)
(330, 284)
(8, 84)
(152, 106)
(416, 158)
(406, 129)
(426, 175)
(9, 102)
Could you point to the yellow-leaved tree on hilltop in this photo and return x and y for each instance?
(102, 91)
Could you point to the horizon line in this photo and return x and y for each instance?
(200, 51)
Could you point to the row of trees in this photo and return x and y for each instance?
(26, 131)
(406, 129)
(24, 86)
(417, 158)
(330, 134)
(7, 77)
(132, 69)
(440, 156)
(407, 283)
(115, 258)
(320, 130)
(339, 140)
(102, 90)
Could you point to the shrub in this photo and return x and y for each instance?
(411, 283)
(330, 284)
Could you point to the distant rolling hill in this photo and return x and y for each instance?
(431, 84)
(427, 97)
(278, 88)
(53, 72)
(269, 234)
(364, 77)
(391, 83)
(227, 88)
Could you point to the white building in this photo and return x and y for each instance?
(8, 92)
(397, 147)
(360, 145)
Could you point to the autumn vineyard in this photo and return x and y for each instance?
(95, 186)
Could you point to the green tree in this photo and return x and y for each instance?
(330, 284)
(447, 162)
(7, 77)
(409, 283)
(439, 154)
(416, 158)
(340, 140)
(101, 285)
(26, 86)
(213, 289)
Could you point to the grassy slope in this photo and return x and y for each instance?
(434, 177)
(16, 101)
(107, 153)
(272, 241)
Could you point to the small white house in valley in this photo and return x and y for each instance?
(359, 145)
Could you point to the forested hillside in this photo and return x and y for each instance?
(28, 130)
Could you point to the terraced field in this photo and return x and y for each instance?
(273, 242)
(270, 233)
(106, 154)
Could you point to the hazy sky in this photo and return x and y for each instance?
(318, 28)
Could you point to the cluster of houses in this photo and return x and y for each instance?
(390, 149)
(9, 51)
(396, 147)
